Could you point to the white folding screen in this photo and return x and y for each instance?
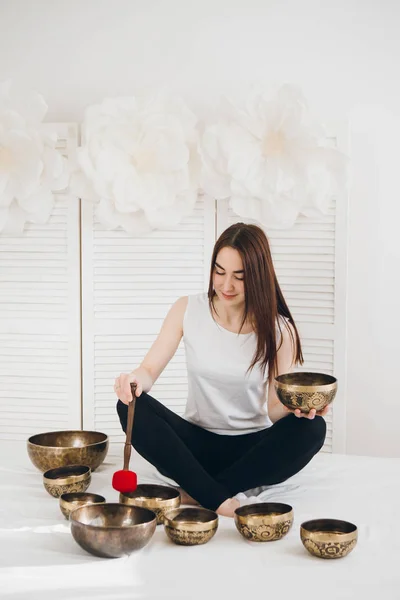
(40, 362)
(310, 263)
(128, 286)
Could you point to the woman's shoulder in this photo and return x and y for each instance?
(177, 310)
(285, 334)
(199, 299)
(181, 304)
(284, 328)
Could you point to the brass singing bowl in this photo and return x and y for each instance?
(158, 498)
(190, 526)
(264, 522)
(62, 448)
(328, 538)
(112, 530)
(63, 480)
(306, 391)
(74, 500)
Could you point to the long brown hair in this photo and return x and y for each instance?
(264, 301)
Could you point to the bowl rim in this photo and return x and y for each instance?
(289, 513)
(323, 387)
(73, 518)
(64, 501)
(342, 534)
(29, 440)
(144, 498)
(171, 522)
(65, 478)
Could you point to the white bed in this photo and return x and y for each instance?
(40, 559)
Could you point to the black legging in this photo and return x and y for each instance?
(211, 467)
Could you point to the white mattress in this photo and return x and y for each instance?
(40, 559)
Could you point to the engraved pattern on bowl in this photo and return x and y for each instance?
(329, 549)
(189, 538)
(265, 533)
(58, 490)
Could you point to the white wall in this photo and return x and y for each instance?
(345, 56)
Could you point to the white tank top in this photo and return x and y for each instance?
(221, 396)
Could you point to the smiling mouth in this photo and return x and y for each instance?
(228, 295)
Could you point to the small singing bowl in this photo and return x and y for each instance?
(264, 522)
(158, 498)
(190, 526)
(328, 538)
(73, 500)
(62, 448)
(75, 478)
(112, 530)
(306, 391)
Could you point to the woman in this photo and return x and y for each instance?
(235, 434)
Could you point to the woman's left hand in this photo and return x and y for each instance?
(311, 414)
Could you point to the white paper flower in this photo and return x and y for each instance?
(140, 162)
(30, 166)
(271, 160)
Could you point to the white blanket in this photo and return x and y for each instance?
(40, 559)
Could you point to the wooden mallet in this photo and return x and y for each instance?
(125, 481)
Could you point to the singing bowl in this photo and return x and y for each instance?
(74, 500)
(63, 480)
(158, 498)
(264, 522)
(306, 391)
(190, 526)
(112, 530)
(62, 448)
(328, 538)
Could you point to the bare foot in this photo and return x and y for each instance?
(186, 499)
(227, 508)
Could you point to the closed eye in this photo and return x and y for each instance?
(238, 278)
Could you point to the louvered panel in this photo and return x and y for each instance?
(40, 319)
(166, 258)
(304, 258)
(30, 267)
(318, 355)
(129, 285)
(319, 358)
(34, 384)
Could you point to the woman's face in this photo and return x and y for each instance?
(228, 277)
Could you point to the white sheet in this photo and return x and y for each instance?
(40, 559)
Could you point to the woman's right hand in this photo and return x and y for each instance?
(122, 387)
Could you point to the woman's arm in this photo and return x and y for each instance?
(286, 354)
(285, 364)
(157, 358)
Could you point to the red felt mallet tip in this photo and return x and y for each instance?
(125, 481)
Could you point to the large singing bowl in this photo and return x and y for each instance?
(63, 448)
(112, 530)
